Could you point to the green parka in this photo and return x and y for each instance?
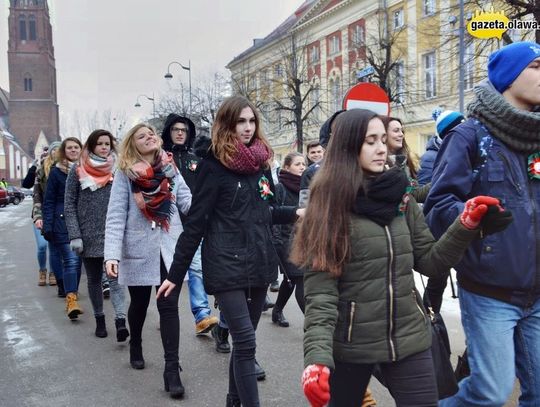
(372, 312)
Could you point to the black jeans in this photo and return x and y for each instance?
(286, 289)
(242, 310)
(168, 316)
(411, 382)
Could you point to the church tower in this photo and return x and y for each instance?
(33, 106)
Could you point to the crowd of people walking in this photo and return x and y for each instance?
(345, 227)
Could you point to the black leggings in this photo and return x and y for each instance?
(168, 316)
(411, 382)
(286, 289)
(242, 316)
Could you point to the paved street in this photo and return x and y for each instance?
(46, 360)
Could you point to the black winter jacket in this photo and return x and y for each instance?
(228, 211)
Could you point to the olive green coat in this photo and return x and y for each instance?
(372, 312)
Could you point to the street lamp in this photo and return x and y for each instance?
(152, 99)
(169, 75)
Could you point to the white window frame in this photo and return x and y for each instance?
(398, 19)
(314, 54)
(428, 7)
(429, 63)
(399, 71)
(358, 35)
(333, 45)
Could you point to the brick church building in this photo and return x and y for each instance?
(32, 110)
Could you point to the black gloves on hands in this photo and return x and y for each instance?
(495, 220)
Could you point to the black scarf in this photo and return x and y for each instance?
(381, 195)
(291, 181)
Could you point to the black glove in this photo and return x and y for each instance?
(47, 235)
(495, 220)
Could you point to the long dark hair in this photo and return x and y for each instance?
(412, 160)
(322, 242)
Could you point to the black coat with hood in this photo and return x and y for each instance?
(229, 212)
(184, 158)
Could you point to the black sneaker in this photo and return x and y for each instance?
(261, 374)
(274, 287)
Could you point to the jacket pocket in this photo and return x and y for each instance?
(133, 245)
(418, 307)
(345, 324)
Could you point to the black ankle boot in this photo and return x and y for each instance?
(121, 331)
(259, 371)
(101, 330)
(279, 318)
(171, 379)
(135, 355)
(221, 337)
(268, 303)
(60, 287)
(232, 401)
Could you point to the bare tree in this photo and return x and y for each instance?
(80, 125)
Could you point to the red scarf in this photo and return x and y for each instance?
(248, 159)
(95, 172)
(152, 185)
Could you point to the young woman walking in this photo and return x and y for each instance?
(54, 225)
(359, 242)
(293, 277)
(233, 209)
(142, 227)
(88, 188)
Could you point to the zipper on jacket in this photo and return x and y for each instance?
(537, 244)
(391, 293)
(236, 193)
(418, 306)
(352, 310)
(512, 176)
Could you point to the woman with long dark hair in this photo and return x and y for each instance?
(54, 224)
(142, 227)
(359, 242)
(88, 188)
(233, 209)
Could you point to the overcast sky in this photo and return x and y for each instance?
(107, 52)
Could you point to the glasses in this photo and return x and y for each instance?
(178, 130)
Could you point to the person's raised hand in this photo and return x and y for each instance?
(315, 385)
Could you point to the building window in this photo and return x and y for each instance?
(278, 71)
(399, 72)
(22, 27)
(334, 45)
(468, 66)
(314, 54)
(398, 19)
(28, 84)
(358, 36)
(265, 77)
(32, 28)
(315, 101)
(428, 7)
(429, 75)
(335, 94)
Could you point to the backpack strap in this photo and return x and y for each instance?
(484, 142)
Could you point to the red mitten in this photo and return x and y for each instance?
(475, 209)
(315, 385)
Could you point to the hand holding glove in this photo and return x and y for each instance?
(475, 209)
(495, 220)
(76, 245)
(315, 385)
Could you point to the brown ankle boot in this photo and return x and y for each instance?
(52, 279)
(72, 306)
(42, 278)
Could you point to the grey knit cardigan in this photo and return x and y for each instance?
(130, 238)
(85, 212)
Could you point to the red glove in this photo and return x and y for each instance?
(475, 209)
(315, 384)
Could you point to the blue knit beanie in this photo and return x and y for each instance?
(507, 63)
(446, 121)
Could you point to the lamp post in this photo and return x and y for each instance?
(169, 75)
(152, 99)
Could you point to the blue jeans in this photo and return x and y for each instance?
(55, 261)
(71, 267)
(197, 296)
(503, 341)
(41, 246)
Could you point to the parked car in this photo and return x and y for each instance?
(16, 196)
(27, 191)
(4, 197)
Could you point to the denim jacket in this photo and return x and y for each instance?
(504, 265)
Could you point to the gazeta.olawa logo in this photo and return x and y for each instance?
(491, 24)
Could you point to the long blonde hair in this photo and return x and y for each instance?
(224, 128)
(129, 154)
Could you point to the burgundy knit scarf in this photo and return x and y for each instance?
(248, 159)
(290, 180)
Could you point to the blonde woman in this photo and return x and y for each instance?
(142, 227)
